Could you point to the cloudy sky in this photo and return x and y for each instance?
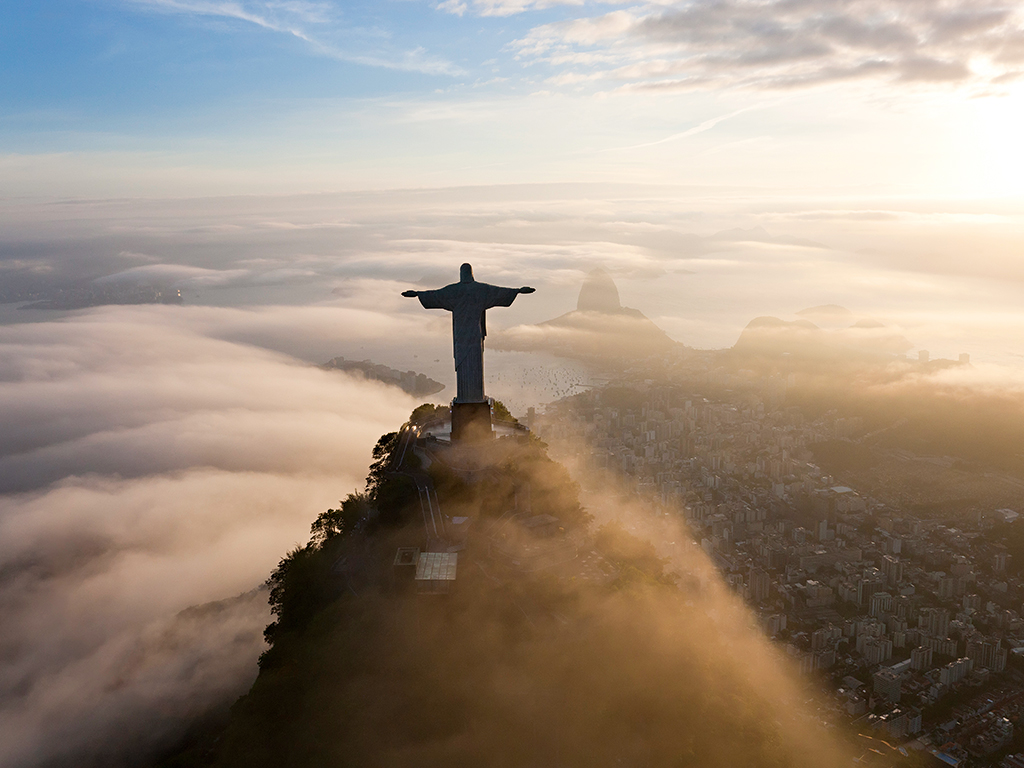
(162, 97)
(291, 166)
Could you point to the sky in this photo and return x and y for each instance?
(186, 97)
(292, 166)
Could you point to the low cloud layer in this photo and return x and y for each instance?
(699, 265)
(147, 467)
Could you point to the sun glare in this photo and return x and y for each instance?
(995, 147)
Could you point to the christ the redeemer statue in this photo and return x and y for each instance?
(468, 301)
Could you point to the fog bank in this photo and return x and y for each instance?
(147, 466)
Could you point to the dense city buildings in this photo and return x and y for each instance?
(911, 618)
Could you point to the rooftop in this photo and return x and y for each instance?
(436, 566)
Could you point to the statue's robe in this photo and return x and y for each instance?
(468, 302)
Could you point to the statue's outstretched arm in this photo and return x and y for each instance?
(439, 299)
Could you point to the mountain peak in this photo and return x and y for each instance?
(599, 294)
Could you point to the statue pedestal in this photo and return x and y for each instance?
(471, 422)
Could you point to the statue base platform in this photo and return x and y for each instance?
(471, 422)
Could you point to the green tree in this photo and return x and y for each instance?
(381, 459)
(421, 414)
(501, 413)
(338, 522)
(297, 592)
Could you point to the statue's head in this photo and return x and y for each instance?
(466, 273)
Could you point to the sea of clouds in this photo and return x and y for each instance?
(146, 467)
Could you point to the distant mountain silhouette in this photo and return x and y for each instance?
(828, 314)
(416, 384)
(599, 328)
(802, 339)
(599, 294)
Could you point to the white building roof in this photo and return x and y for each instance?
(436, 566)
